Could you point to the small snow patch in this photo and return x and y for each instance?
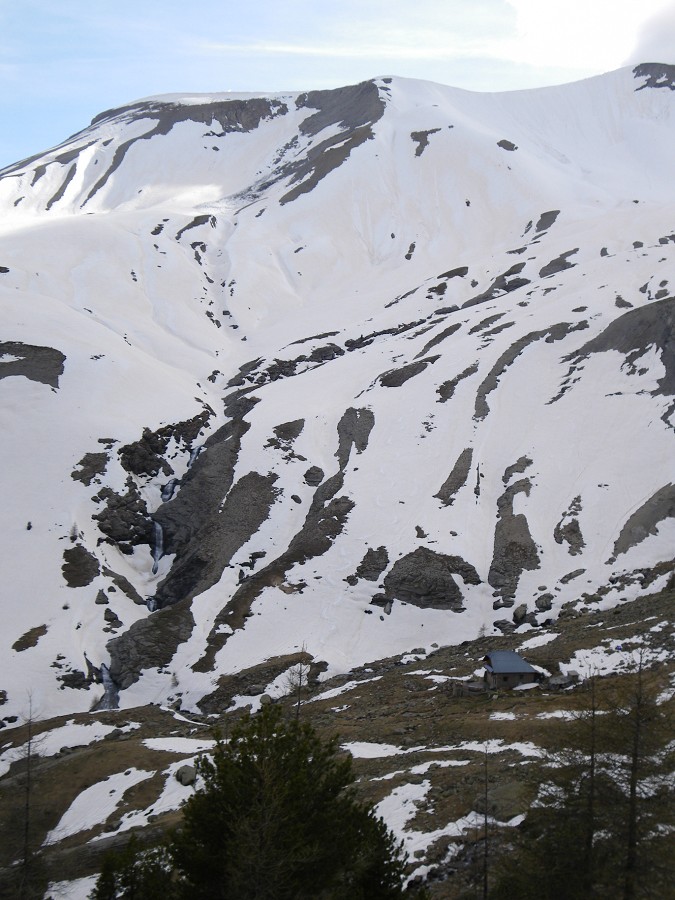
(538, 641)
(179, 744)
(423, 768)
(364, 750)
(556, 714)
(173, 795)
(335, 692)
(80, 889)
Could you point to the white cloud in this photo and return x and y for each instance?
(577, 35)
(435, 47)
(656, 38)
(597, 34)
(452, 29)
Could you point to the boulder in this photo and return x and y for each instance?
(186, 775)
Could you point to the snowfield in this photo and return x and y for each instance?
(348, 372)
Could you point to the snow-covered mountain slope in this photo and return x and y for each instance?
(356, 370)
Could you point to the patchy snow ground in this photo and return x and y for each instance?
(95, 804)
(342, 689)
(401, 806)
(613, 656)
(52, 742)
(539, 640)
(79, 889)
(173, 795)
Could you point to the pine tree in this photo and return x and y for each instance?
(135, 873)
(276, 818)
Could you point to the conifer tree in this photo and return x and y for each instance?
(276, 818)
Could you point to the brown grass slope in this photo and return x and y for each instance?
(408, 706)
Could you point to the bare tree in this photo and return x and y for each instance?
(642, 769)
(297, 679)
(603, 822)
(29, 869)
(582, 757)
(486, 846)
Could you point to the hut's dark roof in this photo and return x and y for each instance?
(507, 662)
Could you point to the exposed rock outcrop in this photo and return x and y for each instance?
(355, 109)
(447, 389)
(149, 643)
(353, 432)
(633, 333)
(421, 138)
(656, 75)
(125, 520)
(514, 548)
(397, 377)
(373, 564)
(559, 264)
(214, 538)
(41, 364)
(644, 521)
(424, 578)
(91, 465)
(568, 529)
(457, 478)
(314, 476)
(508, 281)
(80, 567)
(145, 457)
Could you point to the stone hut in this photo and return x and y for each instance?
(505, 669)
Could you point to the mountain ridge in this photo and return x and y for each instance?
(347, 366)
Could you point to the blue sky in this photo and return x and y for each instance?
(64, 61)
